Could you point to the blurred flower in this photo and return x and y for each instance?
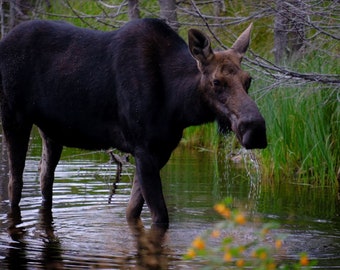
(227, 256)
(240, 219)
(240, 263)
(271, 266)
(236, 255)
(264, 231)
(222, 210)
(215, 234)
(191, 253)
(263, 255)
(278, 243)
(304, 260)
(241, 249)
(198, 243)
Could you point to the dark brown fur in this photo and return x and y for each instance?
(134, 89)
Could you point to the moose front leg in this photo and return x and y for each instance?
(147, 187)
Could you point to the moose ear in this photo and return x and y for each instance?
(199, 45)
(242, 43)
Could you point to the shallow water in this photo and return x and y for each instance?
(84, 231)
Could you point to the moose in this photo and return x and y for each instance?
(134, 89)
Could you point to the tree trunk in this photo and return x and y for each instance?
(297, 34)
(168, 13)
(280, 32)
(133, 9)
(2, 19)
(289, 29)
(12, 13)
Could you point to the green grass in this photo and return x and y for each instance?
(303, 124)
(302, 131)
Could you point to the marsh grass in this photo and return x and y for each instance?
(303, 122)
(302, 131)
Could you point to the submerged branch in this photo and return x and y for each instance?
(119, 161)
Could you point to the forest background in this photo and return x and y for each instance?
(294, 61)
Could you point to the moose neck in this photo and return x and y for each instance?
(187, 95)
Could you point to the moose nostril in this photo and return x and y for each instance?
(252, 133)
(243, 126)
(217, 82)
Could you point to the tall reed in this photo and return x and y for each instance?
(303, 135)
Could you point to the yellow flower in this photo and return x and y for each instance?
(278, 243)
(240, 263)
(271, 266)
(215, 234)
(227, 256)
(219, 208)
(265, 231)
(191, 253)
(226, 213)
(304, 260)
(222, 210)
(241, 249)
(240, 219)
(263, 255)
(198, 243)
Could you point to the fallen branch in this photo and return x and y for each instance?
(119, 161)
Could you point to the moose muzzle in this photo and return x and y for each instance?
(251, 132)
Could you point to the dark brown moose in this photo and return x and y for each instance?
(135, 89)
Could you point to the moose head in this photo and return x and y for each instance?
(224, 87)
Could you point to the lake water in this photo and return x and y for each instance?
(84, 231)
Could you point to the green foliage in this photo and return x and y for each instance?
(205, 136)
(86, 13)
(303, 127)
(219, 248)
(302, 135)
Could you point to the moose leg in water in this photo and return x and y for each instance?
(51, 153)
(150, 187)
(16, 132)
(135, 206)
(150, 250)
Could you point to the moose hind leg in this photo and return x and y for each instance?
(17, 134)
(135, 205)
(50, 157)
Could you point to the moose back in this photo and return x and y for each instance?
(135, 89)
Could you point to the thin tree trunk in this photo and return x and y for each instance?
(297, 31)
(289, 29)
(280, 32)
(168, 13)
(2, 19)
(12, 13)
(133, 9)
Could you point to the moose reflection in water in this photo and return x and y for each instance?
(135, 89)
(148, 243)
(16, 258)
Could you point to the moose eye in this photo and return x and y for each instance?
(247, 84)
(216, 82)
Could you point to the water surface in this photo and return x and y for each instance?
(84, 231)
